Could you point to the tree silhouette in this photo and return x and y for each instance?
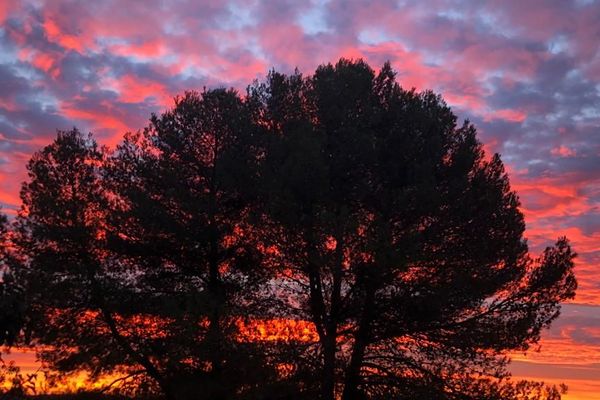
(339, 202)
(404, 241)
(139, 261)
(74, 288)
(183, 198)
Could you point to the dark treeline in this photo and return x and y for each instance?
(338, 199)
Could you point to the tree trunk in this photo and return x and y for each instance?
(330, 343)
(215, 289)
(328, 377)
(215, 329)
(352, 381)
(324, 330)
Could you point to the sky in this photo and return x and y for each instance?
(526, 73)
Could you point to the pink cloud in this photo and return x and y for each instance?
(147, 50)
(551, 196)
(506, 114)
(135, 90)
(563, 151)
(99, 120)
(7, 8)
(67, 41)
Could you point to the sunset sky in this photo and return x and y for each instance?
(527, 73)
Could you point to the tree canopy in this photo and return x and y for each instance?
(338, 204)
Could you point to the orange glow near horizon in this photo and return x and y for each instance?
(278, 330)
(555, 352)
(579, 389)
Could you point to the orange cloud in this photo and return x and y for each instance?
(505, 114)
(132, 89)
(99, 121)
(46, 62)
(553, 196)
(148, 49)
(67, 41)
(563, 151)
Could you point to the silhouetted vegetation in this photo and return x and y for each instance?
(359, 214)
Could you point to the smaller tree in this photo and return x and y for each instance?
(75, 289)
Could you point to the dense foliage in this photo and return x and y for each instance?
(338, 202)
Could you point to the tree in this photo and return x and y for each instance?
(337, 199)
(139, 260)
(404, 243)
(74, 287)
(183, 196)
